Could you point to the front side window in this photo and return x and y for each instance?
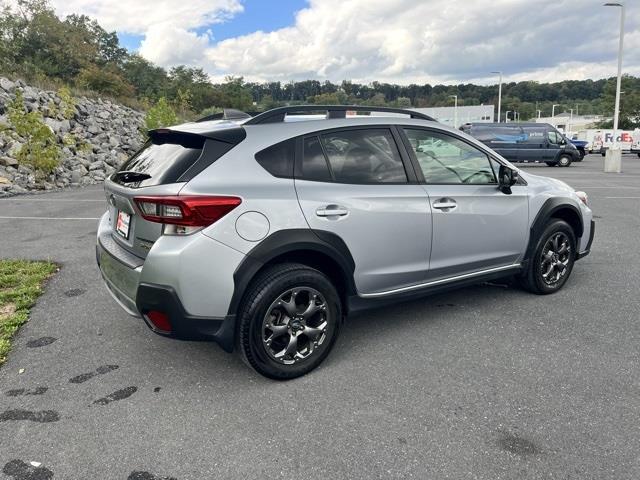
(446, 159)
(363, 156)
(554, 137)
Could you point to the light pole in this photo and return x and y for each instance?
(613, 156)
(499, 94)
(455, 110)
(539, 113)
(553, 110)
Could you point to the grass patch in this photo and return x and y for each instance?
(20, 285)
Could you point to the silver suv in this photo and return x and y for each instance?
(262, 233)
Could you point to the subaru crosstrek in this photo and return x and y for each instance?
(262, 233)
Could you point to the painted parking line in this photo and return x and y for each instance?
(621, 197)
(48, 218)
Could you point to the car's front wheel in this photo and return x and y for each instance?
(289, 321)
(552, 261)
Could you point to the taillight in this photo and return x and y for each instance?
(186, 211)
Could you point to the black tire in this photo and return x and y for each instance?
(551, 164)
(533, 279)
(266, 293)
(564, 160)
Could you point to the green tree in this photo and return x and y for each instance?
(234, 94)
(104, 80)
(160, 115)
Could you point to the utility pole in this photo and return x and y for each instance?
(455, 110)
(499, 94)
(613, 156)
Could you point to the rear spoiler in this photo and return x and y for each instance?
(185, 135)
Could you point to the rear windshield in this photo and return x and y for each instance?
(170, 157)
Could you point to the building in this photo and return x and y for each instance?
(465, 114)
(566, 122)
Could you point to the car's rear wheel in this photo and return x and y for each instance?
(564, 160)
(552, 261)
(289, 321)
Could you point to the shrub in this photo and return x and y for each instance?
(160, 115)
(104, 81)
(40, 149)
(67, 104)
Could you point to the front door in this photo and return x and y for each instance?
(476, 226)
(354, 183)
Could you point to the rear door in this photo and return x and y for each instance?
(354, 183)
(475, 226)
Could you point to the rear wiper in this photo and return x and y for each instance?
(127, 176)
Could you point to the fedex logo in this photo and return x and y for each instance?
(624, 137)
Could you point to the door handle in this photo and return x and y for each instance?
(445, 204)
(332, 211)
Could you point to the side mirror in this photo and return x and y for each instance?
(507, 178)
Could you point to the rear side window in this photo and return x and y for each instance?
(365, 156)
(278, 159)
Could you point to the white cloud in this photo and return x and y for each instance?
(137, 16)
(403, 41)
(448, 41)
(167, 25)
(165, 44)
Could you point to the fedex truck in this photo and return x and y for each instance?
(635, 148)
(598, 140)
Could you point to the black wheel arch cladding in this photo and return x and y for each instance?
(554, 208)
(287, 241)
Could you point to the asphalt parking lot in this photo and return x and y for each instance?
(486, 382)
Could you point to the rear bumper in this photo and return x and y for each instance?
(139, 292)
(183, 325)
(120, 272)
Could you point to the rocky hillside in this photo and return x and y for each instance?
(94, 135)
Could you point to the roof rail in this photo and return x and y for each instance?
(227, 114)
(333, 111)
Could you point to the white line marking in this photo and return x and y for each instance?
(49, 218)
(621, 197)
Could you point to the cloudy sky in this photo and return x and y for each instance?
(401, 41)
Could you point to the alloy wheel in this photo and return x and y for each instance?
(295, 325)
(555, 258)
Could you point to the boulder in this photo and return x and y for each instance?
(7, 85)
(8, 162)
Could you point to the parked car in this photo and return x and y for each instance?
(525, 142)
(264, 233)
(581, 145)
